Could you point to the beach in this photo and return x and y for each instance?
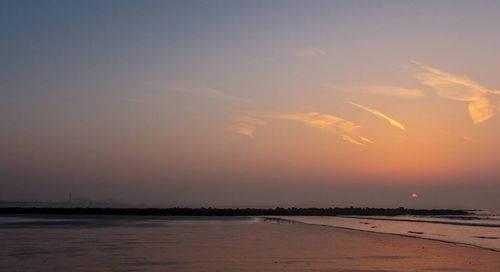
(221, 244)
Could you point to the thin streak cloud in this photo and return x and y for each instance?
(347, 130)
(250, 120)
(205, 91)
(482, 100)
(391, 121)
(382, 90)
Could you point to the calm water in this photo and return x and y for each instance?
(481, 229)
(114, 243)
(188, 244)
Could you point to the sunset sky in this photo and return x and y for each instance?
(251, 103)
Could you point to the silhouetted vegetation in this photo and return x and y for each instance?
(233, 212)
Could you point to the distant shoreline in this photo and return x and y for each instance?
(233, 212)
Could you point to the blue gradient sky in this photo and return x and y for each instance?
(255, 103)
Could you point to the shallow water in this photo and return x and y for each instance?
(108, 243)
(482, 230)
(135, 243)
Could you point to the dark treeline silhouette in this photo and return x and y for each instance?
(233, 212)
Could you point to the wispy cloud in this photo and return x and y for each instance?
(246, 125)
(308, 52)
(482, 100)
(249, 120)
(381, 115)
(383, 90)
(243, 129)
(205, 92)
(347, 130)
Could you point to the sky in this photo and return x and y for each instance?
(251, 103)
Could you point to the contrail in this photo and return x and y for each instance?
(380, 114)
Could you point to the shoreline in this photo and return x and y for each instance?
(382, 233)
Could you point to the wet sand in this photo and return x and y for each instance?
(230, 245)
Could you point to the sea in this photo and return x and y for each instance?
(195, 243)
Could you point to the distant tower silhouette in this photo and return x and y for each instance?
(70, 197)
